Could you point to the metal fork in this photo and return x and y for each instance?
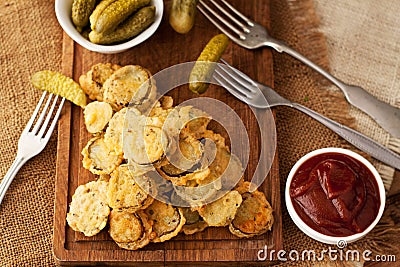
(261, 96)
(251, 35)
(33, 141)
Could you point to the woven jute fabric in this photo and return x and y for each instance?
(31, 40)
(363, 49)
(349, 53)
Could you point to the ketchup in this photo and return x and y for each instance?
(335, 194)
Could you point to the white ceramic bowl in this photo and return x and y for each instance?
(313, 233)
(63, 10)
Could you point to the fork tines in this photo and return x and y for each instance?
(38, 124)
(236, 82)
(224, 20)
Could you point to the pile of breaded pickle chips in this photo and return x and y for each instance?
(130, 130)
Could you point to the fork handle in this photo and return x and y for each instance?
(355, 138)
(386, 115)
(9, 177)
(282, 47)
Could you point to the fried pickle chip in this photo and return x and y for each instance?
(172, 170)
(225, 168)
(59, 84)
(113, 135)
(130, 230)
(97, 115)
(194, 222)
(88, 211)
(222, 211)
(197, 125)
(199, 185)
(218, 139)
(187, 119)
(149, 101)
(159, 112)
(167, 220)
(254, 216)
(92, 82)
(143, 141)
(182, 179)
(197, 196)
(191, 151)
(225, 171)
(99, 157)
(185, 158)
(125, 193)
(101, 72)
(129, 84)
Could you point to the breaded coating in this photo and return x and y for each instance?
(130, 230)
(254, 216)
(183, 178)
(97, 115)
(92, 82)
(185, 158)
(113, 135)
(101, 72)
(197, 125)
(88, 211)
(129, 84)
(194, 222)
(167, 220)
(124, 192)
(99, 156)
(144, 142)
(222, 211)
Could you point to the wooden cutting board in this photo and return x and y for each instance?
(165, 48)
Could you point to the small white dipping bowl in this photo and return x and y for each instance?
(63, 10)
(313, 233)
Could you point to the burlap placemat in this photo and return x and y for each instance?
(363, 49)
(297, 23)
(31, 40)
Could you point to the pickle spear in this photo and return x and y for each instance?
(59, 84)
(110, 13)
(134, 25)
(203, 70)
(81, 11)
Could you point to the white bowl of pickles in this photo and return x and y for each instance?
(109, 26)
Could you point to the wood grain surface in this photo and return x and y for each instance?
(214, 246)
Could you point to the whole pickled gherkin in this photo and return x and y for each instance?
(81, 11)
(182, 15)
(110, 13)
(202, 70)
(134, 25)
(100, 8)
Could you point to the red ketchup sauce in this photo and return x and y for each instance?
(335, 194)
